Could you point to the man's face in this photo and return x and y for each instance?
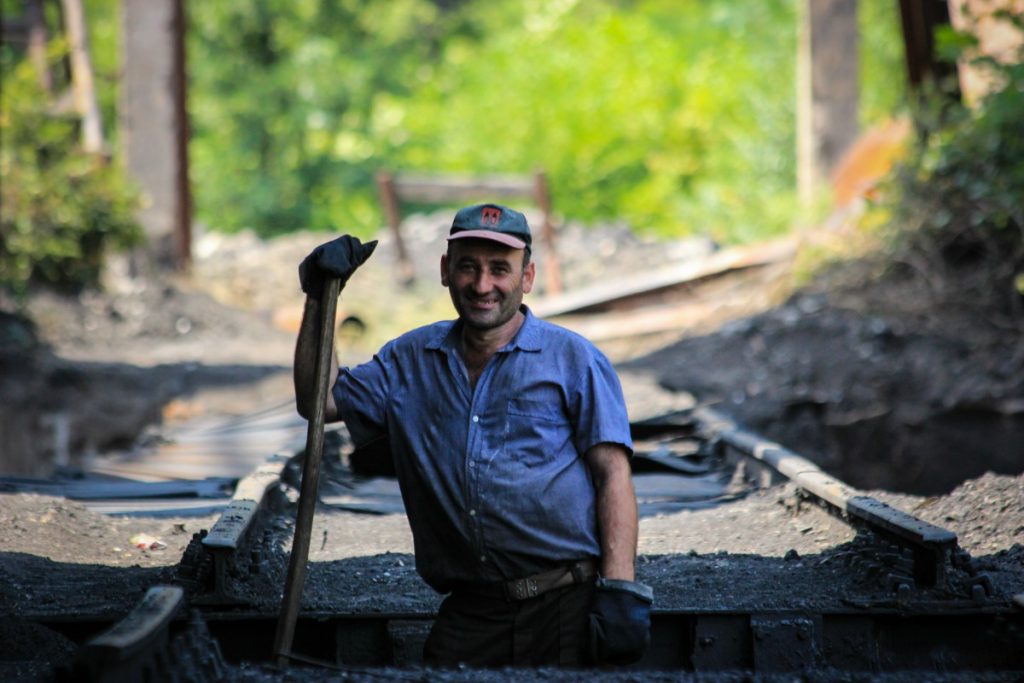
(486, 281)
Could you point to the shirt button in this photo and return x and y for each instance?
(472, 513)
(483, 558)
(476, 418)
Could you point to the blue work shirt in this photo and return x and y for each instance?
(493, 477)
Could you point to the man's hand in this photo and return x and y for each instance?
(338, 258)
(620, 621)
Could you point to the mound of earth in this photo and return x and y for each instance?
(887, 383)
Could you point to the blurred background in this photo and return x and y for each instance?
(166, 164)
(679, 118)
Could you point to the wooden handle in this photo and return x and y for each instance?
(310, 477)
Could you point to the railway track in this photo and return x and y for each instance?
(907, 598)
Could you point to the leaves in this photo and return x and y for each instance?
(957, 201)
(675, 116)
(62, 208)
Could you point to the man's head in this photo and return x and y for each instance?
(487, 268)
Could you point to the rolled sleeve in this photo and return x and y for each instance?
(601, 416)
(361, 394)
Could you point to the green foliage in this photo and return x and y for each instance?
(62, 208)
(958, 200)
(674, 116)
(677, 116)
(288, 98)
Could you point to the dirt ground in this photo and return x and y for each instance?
(893, 386)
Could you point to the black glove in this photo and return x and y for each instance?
(620, 621)
(338, 258)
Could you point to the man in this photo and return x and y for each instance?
(511, 443)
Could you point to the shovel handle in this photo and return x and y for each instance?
(310, 477)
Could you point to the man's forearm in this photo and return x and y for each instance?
(304, 368)
(616, 510)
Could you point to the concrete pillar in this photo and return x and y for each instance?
(154, 128)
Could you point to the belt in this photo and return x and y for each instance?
(581, 571)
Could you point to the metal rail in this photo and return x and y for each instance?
(931, 545)
(229, 536)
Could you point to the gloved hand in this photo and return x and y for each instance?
(620, 621)
(338, 258)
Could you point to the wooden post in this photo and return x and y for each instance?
(82, 81)
(389, 200)
(552, 272)
(827, 90)
(183, 188)
(919, 20)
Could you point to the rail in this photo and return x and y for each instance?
(931, 545)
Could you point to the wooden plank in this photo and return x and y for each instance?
(445, 188)
(618, 289)
(144, 625)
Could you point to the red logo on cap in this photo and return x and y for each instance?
(490, 216)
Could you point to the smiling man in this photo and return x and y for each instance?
(511, 443)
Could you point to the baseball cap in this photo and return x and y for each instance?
(492, 222)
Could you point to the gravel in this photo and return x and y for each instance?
(913, 387)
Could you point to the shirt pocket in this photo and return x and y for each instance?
(535, 431)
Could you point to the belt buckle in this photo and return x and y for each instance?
(582, 571)
(523, 589)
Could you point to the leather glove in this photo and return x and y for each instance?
(338, 258)
(620, 621)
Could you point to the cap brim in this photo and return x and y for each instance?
(507, 240)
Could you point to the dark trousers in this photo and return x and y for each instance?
(486, 630)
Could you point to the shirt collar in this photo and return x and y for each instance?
(528, 338)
